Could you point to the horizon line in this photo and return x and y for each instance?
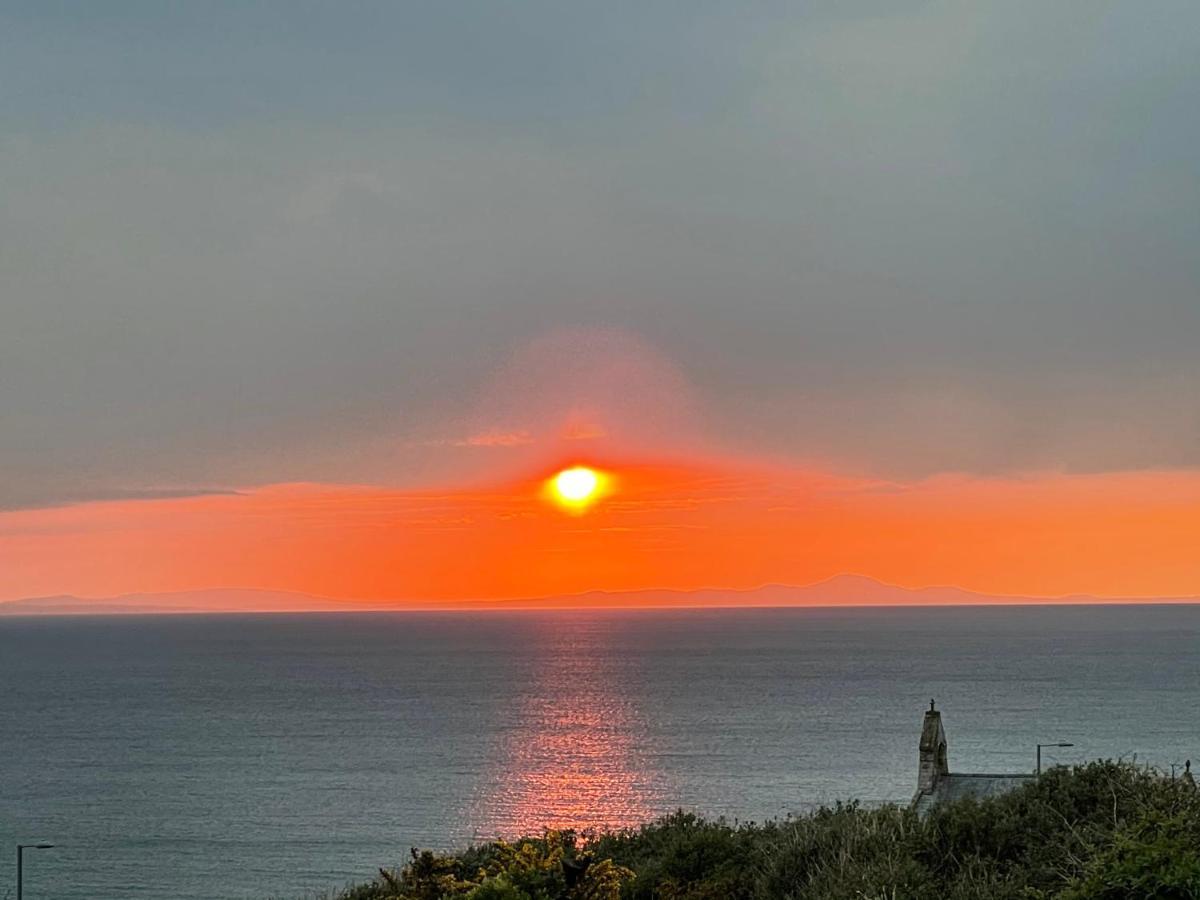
(563, 601)
(134, 613)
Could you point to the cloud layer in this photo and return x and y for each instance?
(266, 244)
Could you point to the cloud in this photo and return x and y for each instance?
(496, 439)
(599, 384)
(14, 499)
(578, 429)
(871, 235)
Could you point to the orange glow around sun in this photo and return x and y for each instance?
(642, 526)
(578, 487)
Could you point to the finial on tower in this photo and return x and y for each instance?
(931, 705)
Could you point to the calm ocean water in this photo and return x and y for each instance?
(277, 756)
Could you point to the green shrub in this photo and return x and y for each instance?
(1155, 859)
(497, 889)
(684, 857)
(1102, 831)
(847, 852)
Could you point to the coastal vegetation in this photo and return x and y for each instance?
(1101, 831)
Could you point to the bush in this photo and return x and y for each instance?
(545, 868)
(685, 857)
(845, 852)
(1097, 832)
(1156, 858)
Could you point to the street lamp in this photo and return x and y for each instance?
(1039, 759)
(21, 848)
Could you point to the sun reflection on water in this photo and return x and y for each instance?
(576, 754)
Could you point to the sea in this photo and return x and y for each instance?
(284, 756)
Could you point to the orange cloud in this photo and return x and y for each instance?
(668, 526)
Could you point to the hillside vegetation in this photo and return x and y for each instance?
(1106, 830)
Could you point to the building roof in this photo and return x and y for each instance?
(954, 786)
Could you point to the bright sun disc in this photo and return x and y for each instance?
(576, 485)
(577, 488)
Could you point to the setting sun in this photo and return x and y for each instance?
(577, 487)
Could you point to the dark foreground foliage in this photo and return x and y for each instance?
(1105, 830)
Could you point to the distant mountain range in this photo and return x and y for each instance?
(215, 600)
(841, 590)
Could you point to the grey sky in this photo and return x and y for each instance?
(258, 242)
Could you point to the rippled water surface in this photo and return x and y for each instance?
(276, 756)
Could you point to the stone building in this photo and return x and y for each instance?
(936, 784)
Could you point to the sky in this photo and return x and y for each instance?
(314, 296)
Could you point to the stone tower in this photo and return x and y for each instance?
(933, 752)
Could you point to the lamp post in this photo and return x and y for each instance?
(1039, 759)
(21, 848)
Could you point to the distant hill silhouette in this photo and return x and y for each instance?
(217, 600)
(841, 590)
